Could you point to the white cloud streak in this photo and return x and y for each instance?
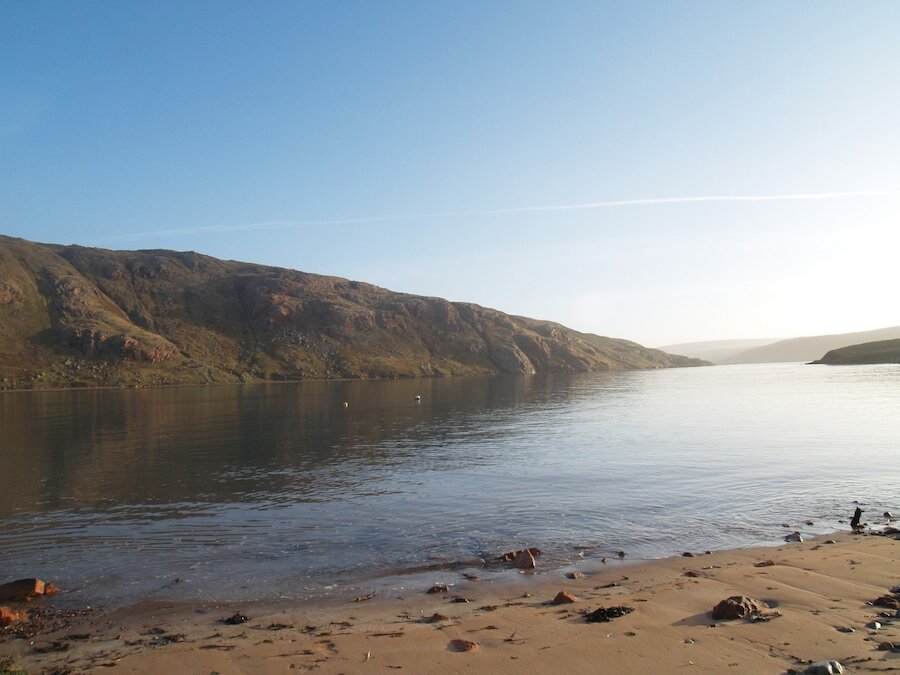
(586, 206)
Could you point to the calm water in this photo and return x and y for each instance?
(267, 490)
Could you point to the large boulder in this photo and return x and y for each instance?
(25, 589)
(738, 606)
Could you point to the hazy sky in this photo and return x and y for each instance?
(404, 144)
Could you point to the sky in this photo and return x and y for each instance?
(553, 160)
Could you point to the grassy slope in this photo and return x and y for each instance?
(78, 316)
(882, 351)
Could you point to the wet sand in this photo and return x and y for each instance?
(813, 589)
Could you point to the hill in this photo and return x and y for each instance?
(75, 316)
(809, 348)
(716, 351)
(882, 351)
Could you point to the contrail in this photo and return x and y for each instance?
(652, 201)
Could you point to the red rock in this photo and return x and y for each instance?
(24, 590)
(463, 646)
(737, 606)
(9, 615)
(574, 575)
(563, 598)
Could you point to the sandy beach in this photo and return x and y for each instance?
(817, 592)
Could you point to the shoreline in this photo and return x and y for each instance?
(817, 587)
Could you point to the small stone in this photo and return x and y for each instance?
(692, 574)
(809, 522)
(888, 515)
(459, 600)
(463, 646)
(874, 625)
(738, 606)
(824, 668)
(621, 554)
(563, 598)
(830, 541)
(765, 563)
(574, 575)
(437, 618)
(236, 619)
(794, 537)
(687, 554)
(886, 647)
(688, 641)
(845, 629)
(439, 588)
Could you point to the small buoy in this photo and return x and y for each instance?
(346, 404)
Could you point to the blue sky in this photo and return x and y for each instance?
(262, 131)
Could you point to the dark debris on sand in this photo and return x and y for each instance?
(604, 614)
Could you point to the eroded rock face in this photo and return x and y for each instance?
(738, 606)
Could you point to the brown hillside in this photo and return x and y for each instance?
(73, 316)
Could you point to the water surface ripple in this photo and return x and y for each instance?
(278, 490)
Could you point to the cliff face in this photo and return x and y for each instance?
(79, 316)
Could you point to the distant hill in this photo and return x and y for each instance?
(75, 316)
(882, 351)
(717, 351)
(809, 348)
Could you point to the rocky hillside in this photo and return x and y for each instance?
(809, 348)
(74, 316)
(883, 351)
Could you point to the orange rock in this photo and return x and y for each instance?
(9, 615)
(564, 598)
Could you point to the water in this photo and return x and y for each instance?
(262, 491)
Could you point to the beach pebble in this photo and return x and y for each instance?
(564, 598)
(235, 619)
(439, 588)
(874, 625)
(886, 646)
(621, 554)
(463, 646)
(437, 618)
(687, 554)
(794, 537)
(738, 606)
(809, 522)
(824, 668)
(844, 629)
(765, 563)
(574, 575)
(830, 541)
(888, 514)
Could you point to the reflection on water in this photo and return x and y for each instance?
(279, 487)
